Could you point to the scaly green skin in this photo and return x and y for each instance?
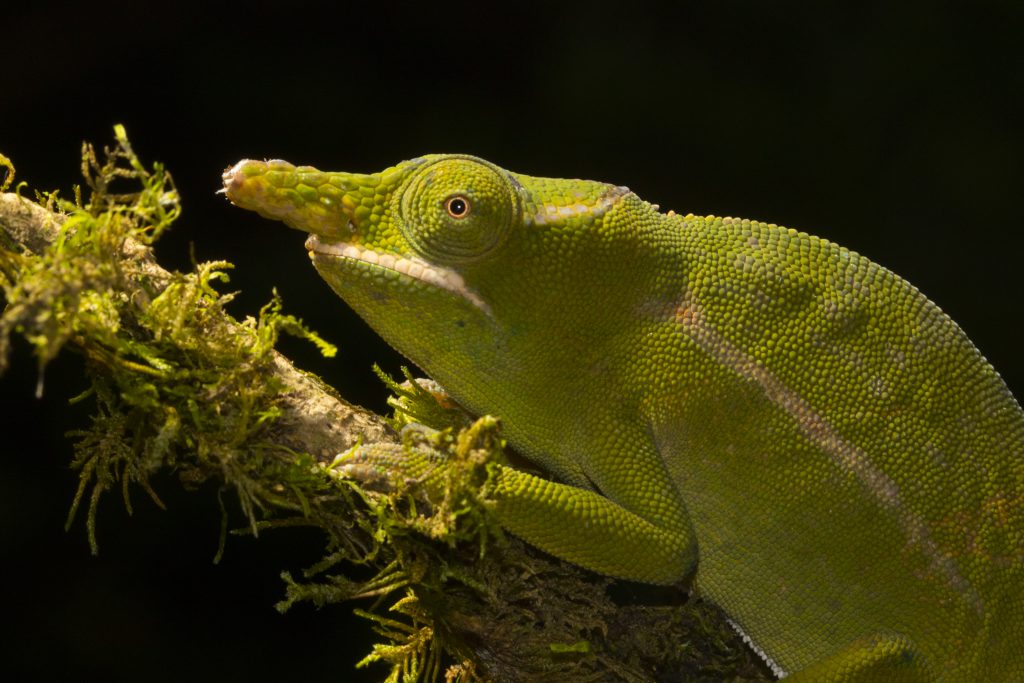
(799, 426)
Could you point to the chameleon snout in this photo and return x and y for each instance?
(325, 204)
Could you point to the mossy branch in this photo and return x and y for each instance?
(180, 385)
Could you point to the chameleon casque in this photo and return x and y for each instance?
(793, 426)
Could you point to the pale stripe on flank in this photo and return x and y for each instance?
(818, 431)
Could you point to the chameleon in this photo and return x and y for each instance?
(796, 430)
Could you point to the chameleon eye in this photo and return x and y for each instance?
(480, 203)
(458, 207)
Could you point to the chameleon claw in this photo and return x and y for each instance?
(367, 475)
(340, 459)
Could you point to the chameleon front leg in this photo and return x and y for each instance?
(875, 659)
(592, 531)
(574, 524)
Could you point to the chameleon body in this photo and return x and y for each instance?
(797, 429)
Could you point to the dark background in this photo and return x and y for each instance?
(892, 128)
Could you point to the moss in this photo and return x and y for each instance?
(180, 385)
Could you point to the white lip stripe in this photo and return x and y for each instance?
(411, 267)
(847, 455)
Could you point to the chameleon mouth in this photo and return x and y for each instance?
(417, 269)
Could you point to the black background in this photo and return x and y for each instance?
(892, 128)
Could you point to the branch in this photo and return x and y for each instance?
(180, 384)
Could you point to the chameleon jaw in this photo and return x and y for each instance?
(417, 269)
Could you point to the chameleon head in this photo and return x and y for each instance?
(446, 256)
(412, 225)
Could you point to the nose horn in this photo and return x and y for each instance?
(302, 197)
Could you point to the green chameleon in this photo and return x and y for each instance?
(796, 428)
